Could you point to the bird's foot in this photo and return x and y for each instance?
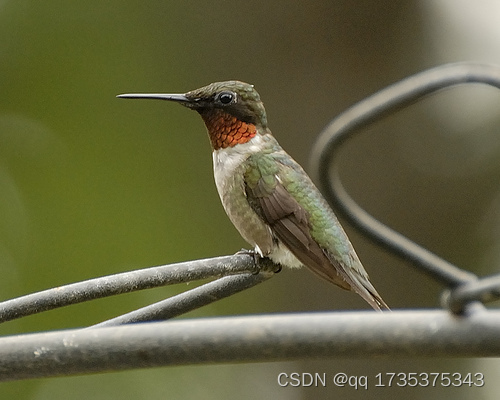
(256, 259)
(260, 263)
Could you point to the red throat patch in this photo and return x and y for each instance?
(226, 130)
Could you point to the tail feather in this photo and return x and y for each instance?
(357, 282)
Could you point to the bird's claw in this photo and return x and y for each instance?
(260, 263)
(256, 259)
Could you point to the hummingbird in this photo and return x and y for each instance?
(266, 194)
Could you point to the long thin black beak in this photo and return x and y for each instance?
(180, 98)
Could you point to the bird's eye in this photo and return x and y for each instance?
(226, 97)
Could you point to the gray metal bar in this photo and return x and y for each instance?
(128, 282)
(189, 300)
(250, 339)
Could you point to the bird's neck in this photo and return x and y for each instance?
(225, 130)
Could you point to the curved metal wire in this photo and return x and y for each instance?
(148, 278)
(189, 300)
(388, 100)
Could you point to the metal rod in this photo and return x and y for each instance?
(189, 300)
(261, 338)
(128, 282)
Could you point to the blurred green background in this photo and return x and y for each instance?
(91, 185)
